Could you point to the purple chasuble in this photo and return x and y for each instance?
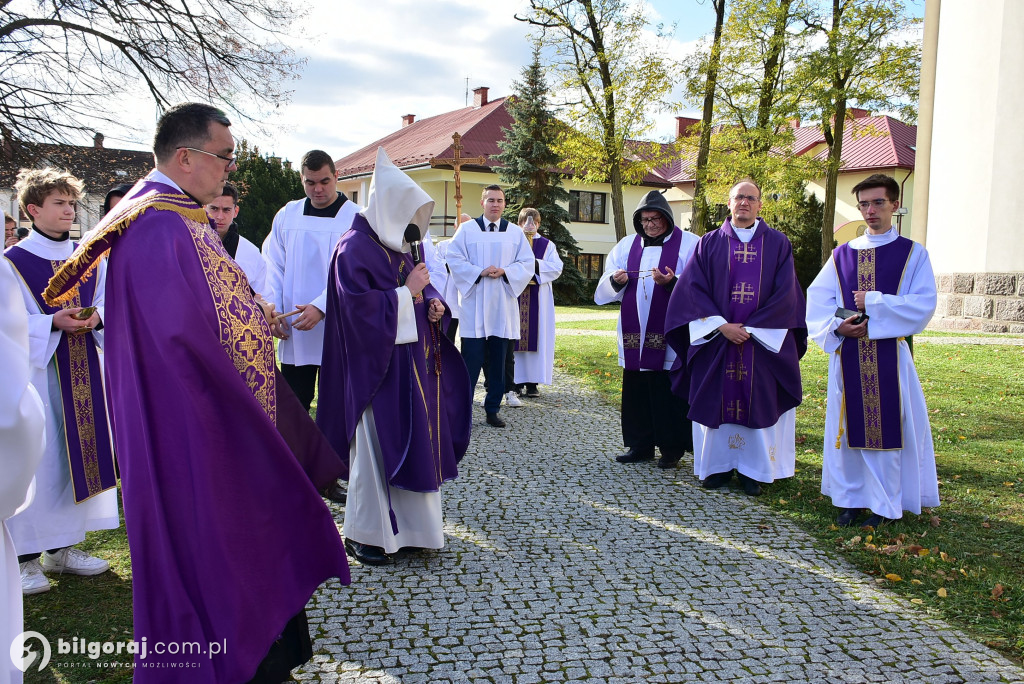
(529, 304)
(648, 353)
(419, 391)
(871, 379)
(753, 284)
(228, 536)
(90, 455)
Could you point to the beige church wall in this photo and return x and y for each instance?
(976, 172)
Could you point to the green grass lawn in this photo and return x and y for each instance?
(963, 560)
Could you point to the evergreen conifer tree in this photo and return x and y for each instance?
(529, 169)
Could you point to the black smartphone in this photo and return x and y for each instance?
(846, 313)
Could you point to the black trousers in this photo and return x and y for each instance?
(453, 329)
(292, 648)
(302, 380)
(652, 416)
(510, 367)
(473, 351)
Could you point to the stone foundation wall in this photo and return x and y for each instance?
(988, 302)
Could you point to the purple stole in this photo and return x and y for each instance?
(647, 353)
(744, 298)
(871, 379)
(90, 455)
(529, 305)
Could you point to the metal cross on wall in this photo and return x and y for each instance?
(457, 161)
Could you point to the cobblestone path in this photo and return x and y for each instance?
(562, 565)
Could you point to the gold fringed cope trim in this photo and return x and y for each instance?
(80, 266)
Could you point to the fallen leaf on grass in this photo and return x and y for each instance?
(923, 552)
(914, 549)
(986, 525)
(945, 556)
(916, 581)
(918, 601)
(935, 520)
(997, 615)
(997, 591)
(893, 577)
(891, 549)
(941, 592)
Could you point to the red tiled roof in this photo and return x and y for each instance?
(99, 167)
(417, 143)
(871, 142)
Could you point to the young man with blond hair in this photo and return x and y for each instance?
(75, 482)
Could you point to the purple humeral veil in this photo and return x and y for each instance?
(228, 536)
(423, 422)
(704, 290)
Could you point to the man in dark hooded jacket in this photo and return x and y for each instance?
(641, 271)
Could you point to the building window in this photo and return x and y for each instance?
(591, 266)
(587, 207)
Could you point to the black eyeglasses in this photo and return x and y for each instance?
(749, 198)
(876, 203)
(651, 221)
(229, 160)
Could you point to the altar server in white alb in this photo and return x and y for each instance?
(298, 251)
(878, 442)
(491, 263)
(75, 481)
(223, 211)
(22, 425)
(535, 348)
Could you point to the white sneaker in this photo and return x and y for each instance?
(512, 399)
(33, 581)
(74, 562)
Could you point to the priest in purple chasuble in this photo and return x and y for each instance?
(535, 348)
(879, 453)
(227, 533)
(394, 391)
(641, 272)
(22, 426)
(75, 482)
(736, 321)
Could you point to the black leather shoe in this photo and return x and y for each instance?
(848, 517)
(635, 455)
(494, 420)
(532, 391)
(335, 493)
(717, 480)
(668, 461)
(875, 521)
(366, 554)
(751, 487)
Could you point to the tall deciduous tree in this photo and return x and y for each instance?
(868, 57)
(65, 65)
(755, 97)
(529, 167)
(699, 223)
(609, 63)
(264, 186)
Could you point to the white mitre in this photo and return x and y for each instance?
(394, 202)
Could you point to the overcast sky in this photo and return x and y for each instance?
(370, 63)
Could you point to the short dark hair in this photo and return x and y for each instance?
(314, 160)
(879, 180)
(231, 191)
(116, 191)
(492, 186)
(185, 125)
(8, 219)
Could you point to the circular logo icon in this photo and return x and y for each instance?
(23, 656)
